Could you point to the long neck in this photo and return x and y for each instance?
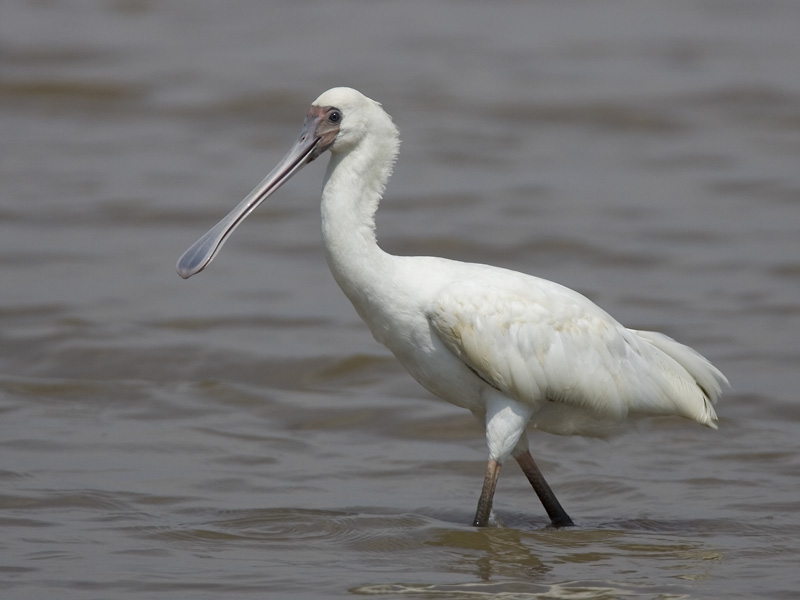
(354, 183)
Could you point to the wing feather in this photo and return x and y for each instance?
(541, 343)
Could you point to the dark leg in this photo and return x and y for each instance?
(558, 516)
(487, 494)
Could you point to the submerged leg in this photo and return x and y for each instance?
(558, 516)
(505, 432)
(487, 494)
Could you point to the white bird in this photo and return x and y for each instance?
(513, 349)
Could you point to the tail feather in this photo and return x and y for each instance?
(708, 378)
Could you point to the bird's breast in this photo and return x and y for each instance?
(407, 333)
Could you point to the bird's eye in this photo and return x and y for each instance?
(334, 116)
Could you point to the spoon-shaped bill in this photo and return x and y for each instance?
(203, 251)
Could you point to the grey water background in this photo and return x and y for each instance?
(240, 434)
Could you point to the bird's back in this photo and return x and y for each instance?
(546, 345)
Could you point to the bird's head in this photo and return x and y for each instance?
(356, 117)
(338, 121)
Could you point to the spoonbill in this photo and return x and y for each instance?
(513, 349)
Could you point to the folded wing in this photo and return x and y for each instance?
(545, 345)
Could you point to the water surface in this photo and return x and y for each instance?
(240, 434)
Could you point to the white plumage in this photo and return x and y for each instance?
(547, 346)
(512, 348)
